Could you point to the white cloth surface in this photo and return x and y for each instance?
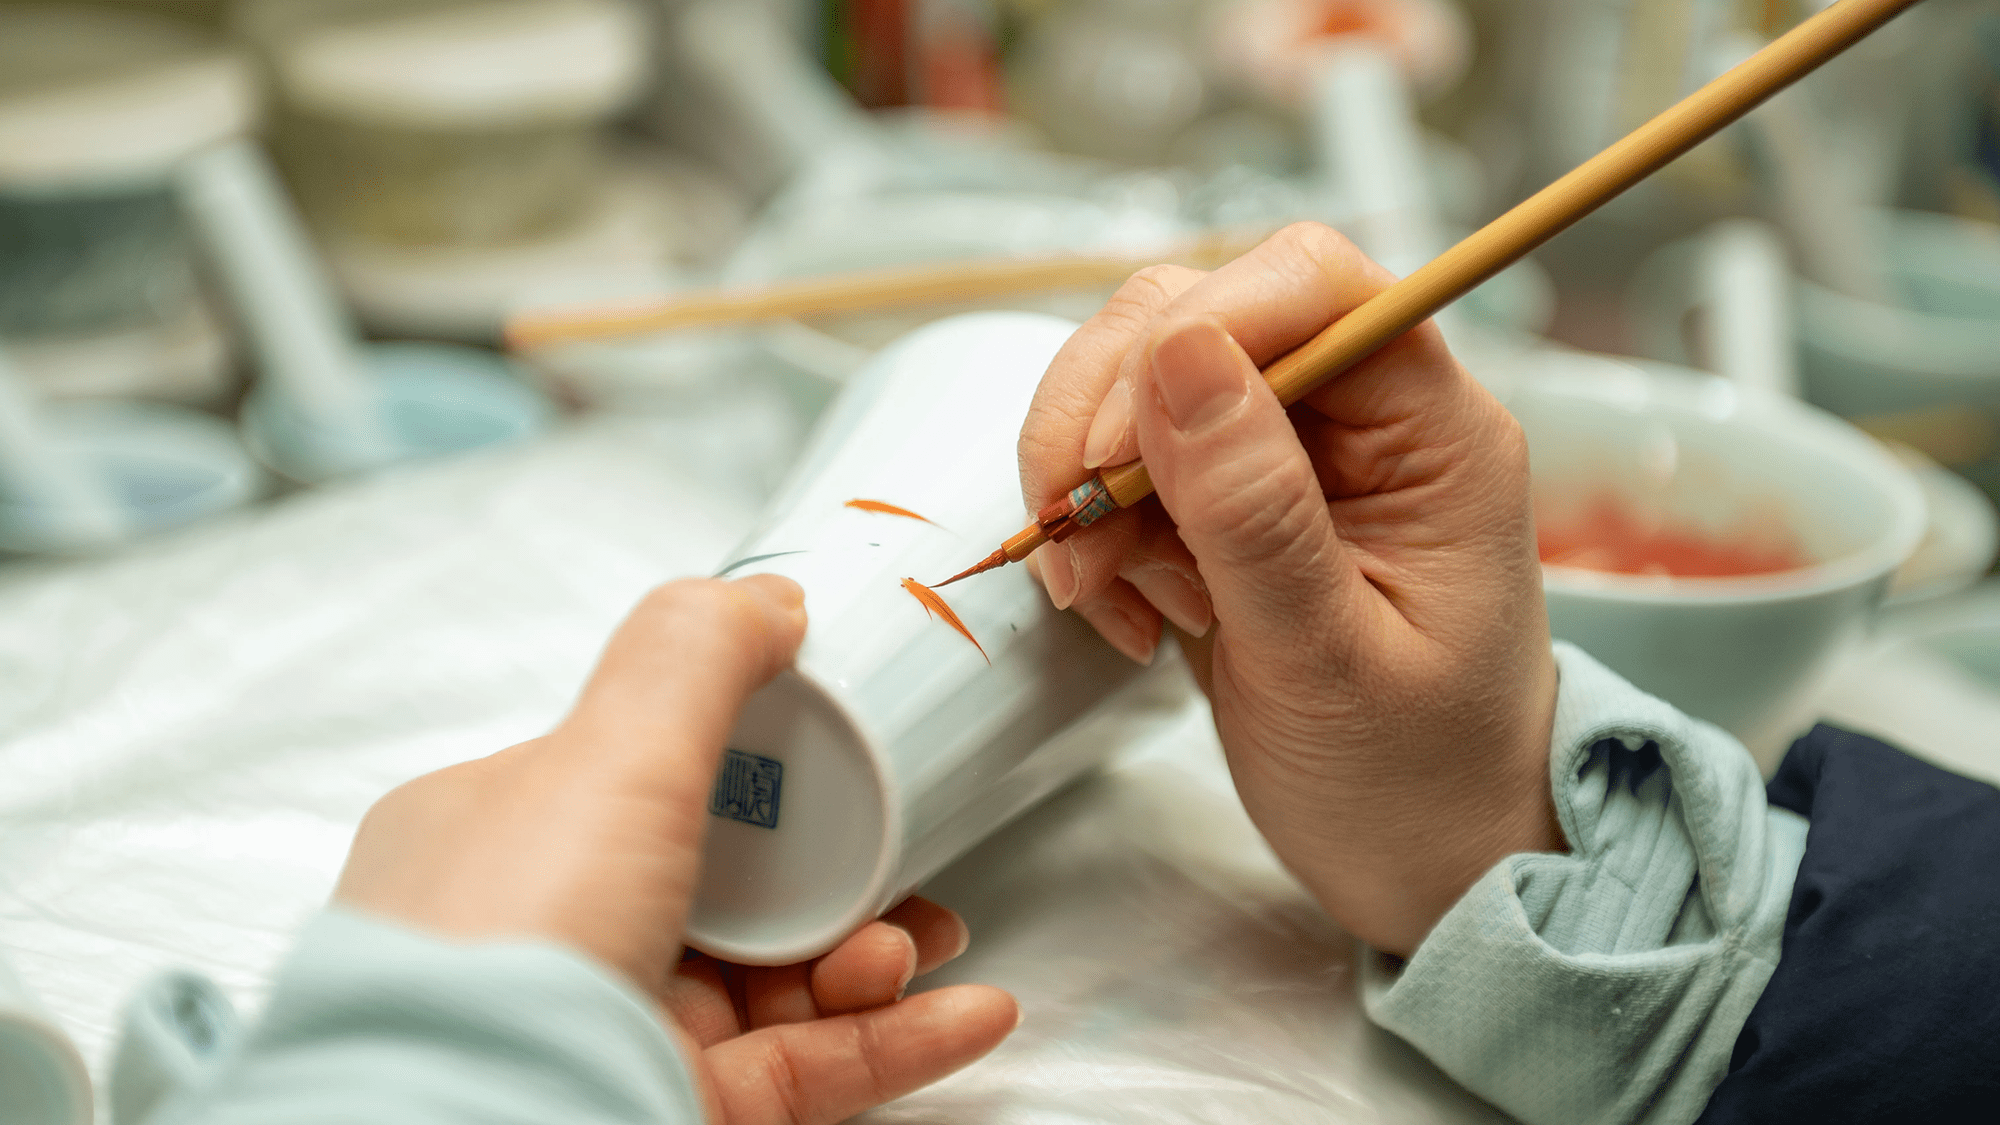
(189, 733)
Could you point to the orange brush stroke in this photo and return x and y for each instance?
(933, 601)
(885, 509)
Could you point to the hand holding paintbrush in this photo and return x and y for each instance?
(1352, 559)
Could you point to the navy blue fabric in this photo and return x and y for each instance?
(1886, 1003)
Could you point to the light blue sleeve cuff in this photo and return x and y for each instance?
(1609, 984)
(371, 1022)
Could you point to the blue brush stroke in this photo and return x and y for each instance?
(739, 563)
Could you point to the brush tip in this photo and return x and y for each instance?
(996, 559)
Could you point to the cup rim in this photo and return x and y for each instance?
(1687, 391)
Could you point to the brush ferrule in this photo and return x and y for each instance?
(1085, 505)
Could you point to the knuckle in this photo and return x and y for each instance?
(1315, 254)
(1146, 292)
(1314, 242)
(1256, 532)
(873, 1049)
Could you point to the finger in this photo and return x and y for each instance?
(940, 934)
(779, 994)
(1124, 618)
(1164, 572)
(1059, 417)
(828, 1070)
(1059, 421)
(1231, 472)
(871, 968)
(698, 1000)
(1290, 287)
(667, 690)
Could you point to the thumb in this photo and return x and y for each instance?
(668, 688)
(1230, 471)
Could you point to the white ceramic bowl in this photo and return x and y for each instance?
(1742, 652)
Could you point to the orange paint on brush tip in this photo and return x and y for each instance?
(1608, 534)
(934, 604)
(885, 509)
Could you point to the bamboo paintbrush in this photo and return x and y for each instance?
(861, 291)
(1492, 248)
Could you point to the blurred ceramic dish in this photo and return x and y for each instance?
(464, 293)
(433, 400)
(1741, 651)
(441, 123)
(890, 229)
(1961, 537)
(42, 1077)
(894, 744)
(1940, 347)
(97, 286)
(161, 466)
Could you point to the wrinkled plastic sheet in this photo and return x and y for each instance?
(190, 732)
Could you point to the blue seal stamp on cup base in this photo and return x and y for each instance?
(747, 789)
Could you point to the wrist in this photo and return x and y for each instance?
(1409, 834)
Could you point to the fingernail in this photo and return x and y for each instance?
(909, 967)
(1059, 573)
(1107, 430)
(1198, 374)
(1184, 602)
(776, 588)
(1134, 638)
(964, 937)
(784, 600)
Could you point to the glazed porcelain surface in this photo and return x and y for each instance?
(895, 744)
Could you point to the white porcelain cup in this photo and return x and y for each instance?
(893, 745)
(42, 1077)
(1743, 651)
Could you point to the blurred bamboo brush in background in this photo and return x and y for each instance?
(861, 291)
(1492, 248)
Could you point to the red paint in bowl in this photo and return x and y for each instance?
(1609, 533)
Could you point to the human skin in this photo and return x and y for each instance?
(1354, 580)
(591, 837)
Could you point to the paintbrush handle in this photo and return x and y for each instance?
(1546, 213)
(860, 291)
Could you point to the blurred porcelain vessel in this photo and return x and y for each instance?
(451, 155)
(893, 745)
(42, 1077)
(895, 228)
(1697, 451)
(98, 294)
(1937, 345)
